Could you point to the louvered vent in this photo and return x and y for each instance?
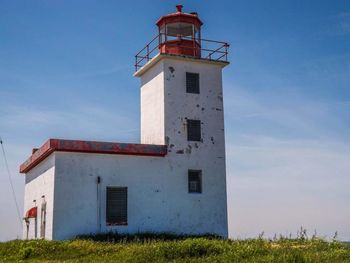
(117, 206)
(192, 82)
(194, 130)
(194, 181)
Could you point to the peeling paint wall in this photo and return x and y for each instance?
(207, 155)
(206, 107)
(165, 106)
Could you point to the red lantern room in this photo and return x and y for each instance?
(180, 33)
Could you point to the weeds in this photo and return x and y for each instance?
(165, 247)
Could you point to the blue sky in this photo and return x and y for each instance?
(66, 72)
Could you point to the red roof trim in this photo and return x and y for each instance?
(90, 147)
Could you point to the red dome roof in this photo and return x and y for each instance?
(178, 16)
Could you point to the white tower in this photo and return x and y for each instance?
(182, 107)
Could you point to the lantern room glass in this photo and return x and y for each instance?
(179, 30)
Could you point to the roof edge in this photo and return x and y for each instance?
(159, 56)
(96, 147)
(179, 17)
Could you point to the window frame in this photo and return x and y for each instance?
(200, 181)
(108, 216)
(190, 134)
(190, 89)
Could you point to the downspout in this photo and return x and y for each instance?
(98, 199)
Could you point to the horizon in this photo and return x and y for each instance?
(66, 72)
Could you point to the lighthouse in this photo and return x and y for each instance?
(173, 181)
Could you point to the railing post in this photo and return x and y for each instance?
(197, 50)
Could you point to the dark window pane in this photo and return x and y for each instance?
(194, 181)
(117, 206)
(194, 130)
(192, 82)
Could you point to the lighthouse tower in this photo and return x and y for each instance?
(182, 107)
(173, 181)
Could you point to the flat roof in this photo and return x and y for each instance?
(60, 145)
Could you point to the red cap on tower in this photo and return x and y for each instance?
(180, 33)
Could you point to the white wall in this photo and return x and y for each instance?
(208, 155)
(158, 198)
(152, 106)
(38, 182)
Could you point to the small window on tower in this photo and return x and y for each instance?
(192, 83)
(194, 130)
(117, 206)
(194, 181)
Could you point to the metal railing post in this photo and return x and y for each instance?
(217, 54)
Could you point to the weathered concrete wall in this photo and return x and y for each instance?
(158, 198)
(207, 106)
(209, 154)
(38, 182)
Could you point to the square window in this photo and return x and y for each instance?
(194, 181)
(192, 82)
(117, 206)
(194, 130)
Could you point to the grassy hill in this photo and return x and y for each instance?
(163, 248)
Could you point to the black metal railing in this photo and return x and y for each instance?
(202, 48)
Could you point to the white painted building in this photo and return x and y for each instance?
(173, 181)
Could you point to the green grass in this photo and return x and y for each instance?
(168, 248)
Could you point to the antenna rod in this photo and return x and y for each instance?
(10, 179)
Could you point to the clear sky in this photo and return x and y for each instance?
(66, 72)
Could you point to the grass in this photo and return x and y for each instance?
(170, 248)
